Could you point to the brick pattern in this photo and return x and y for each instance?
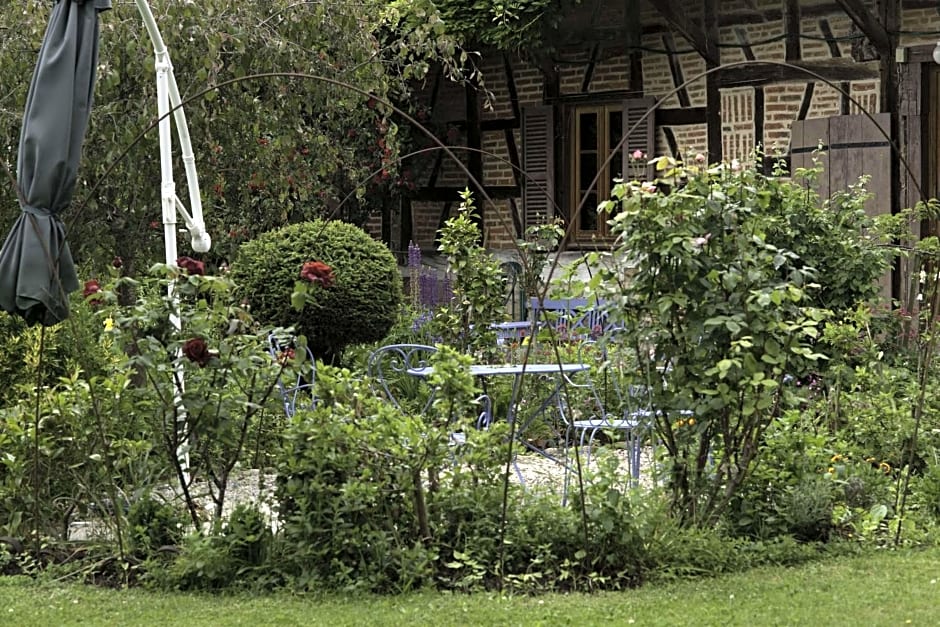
(737, 123)
(782, 102)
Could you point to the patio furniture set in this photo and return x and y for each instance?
(397, 373)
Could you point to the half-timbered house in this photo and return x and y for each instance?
(856, 77)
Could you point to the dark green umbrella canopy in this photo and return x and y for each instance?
(36, 268)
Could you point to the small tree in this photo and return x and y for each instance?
(708, 286)
(478, 286)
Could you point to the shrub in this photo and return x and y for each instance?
(355, 481)
(237, 556)
(807, 509)
(728, 291)
(359, 306)
(65, 348)
(154, 524)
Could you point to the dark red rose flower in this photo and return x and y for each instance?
(286, 356)
(197, 351)
(191, 266)
(92, 287)
(317, 272)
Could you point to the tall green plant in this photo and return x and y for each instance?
(719, 303)
(478, 284)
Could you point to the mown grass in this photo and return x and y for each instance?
(880, 588)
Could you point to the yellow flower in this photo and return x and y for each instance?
(690, 421)
(108, 323)
(884, 467)
(831, 470)
(836, 458)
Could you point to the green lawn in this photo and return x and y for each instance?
(885, 588)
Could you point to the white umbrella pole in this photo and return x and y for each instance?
(201, 241)
(167, 95)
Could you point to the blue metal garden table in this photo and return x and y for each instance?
(518, 371)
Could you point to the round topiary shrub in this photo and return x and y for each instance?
(360, 305)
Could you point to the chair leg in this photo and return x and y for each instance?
(515, 466)
(590, 446)
(634, 443)
(567, 473)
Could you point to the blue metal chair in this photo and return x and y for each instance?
(392, 373)
(574, 315)
(298, 390)
(617, 404)
(388, 370)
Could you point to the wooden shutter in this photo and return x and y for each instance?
(853, 145)
(857, 147)
(538, 163)
(642, 138)
(806, 137)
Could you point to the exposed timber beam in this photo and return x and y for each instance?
(711, 9)
(792, 26)
(767, 73)
(868, 24)
(677, 19)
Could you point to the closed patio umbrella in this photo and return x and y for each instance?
(36, 268)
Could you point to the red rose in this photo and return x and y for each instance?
(197, 351)
(191, 266)
(317, 272)
(286, 356)
(92, 287)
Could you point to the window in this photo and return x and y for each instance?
(594, 131)
(589, 134)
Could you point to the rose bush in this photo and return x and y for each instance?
(724, 284)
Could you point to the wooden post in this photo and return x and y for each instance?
(474, 157)
(712, 91)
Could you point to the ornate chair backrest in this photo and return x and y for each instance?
(295, 383)
(572, 316)
(388, 368)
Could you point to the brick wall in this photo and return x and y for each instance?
(782, 102)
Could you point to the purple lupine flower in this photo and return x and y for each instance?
(420, 321)
(414, 256)
(426, 289)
